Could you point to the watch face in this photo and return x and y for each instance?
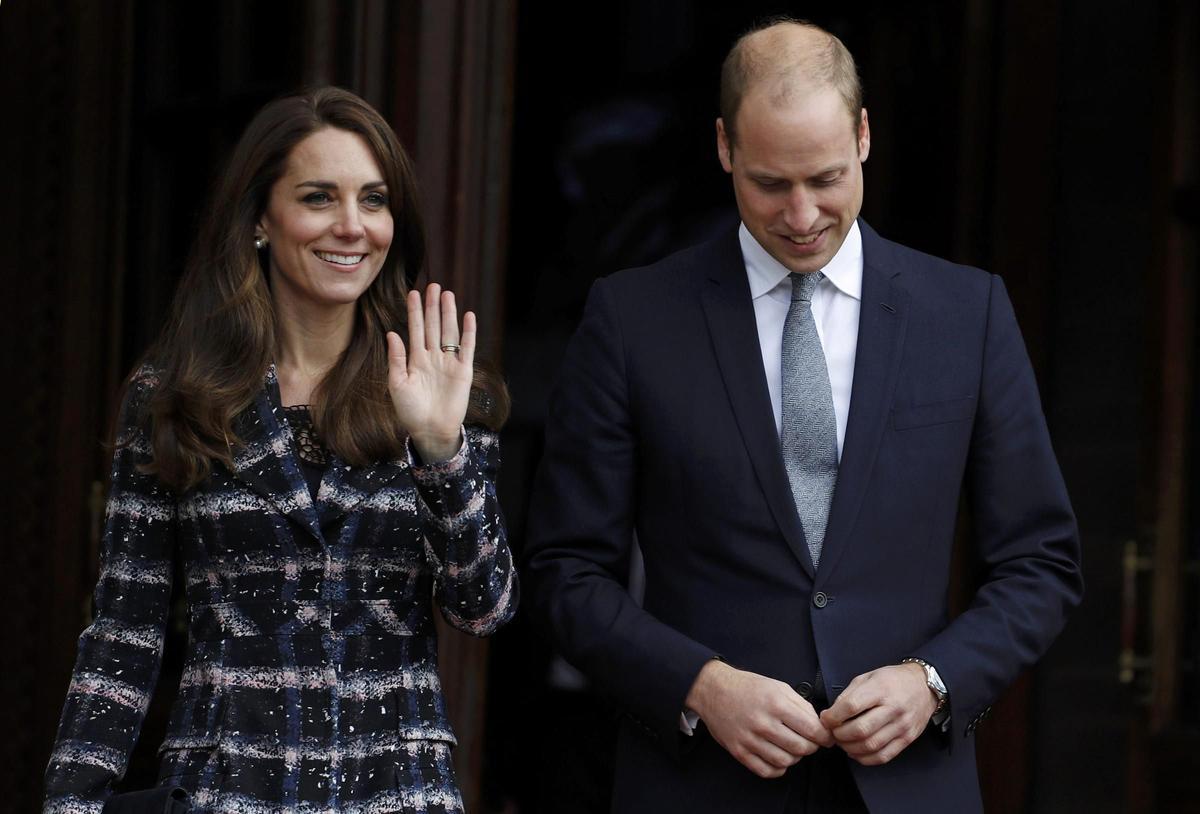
(935, 682)
(932, 679)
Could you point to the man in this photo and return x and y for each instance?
(786, 416)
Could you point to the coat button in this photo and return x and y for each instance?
(805, 689)
(820, 599)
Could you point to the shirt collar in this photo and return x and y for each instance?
(845, 270)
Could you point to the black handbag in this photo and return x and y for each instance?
(161, 800)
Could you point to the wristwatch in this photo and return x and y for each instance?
(933, 681)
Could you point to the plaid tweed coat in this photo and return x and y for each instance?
(311, 681)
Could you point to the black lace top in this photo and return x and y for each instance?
(313, 455)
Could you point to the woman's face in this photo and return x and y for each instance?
(328, 223)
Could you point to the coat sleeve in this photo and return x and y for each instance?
(1024, 528)
(466, 543)
(581, 525)
(119, 653)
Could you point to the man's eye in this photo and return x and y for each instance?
(769, 184)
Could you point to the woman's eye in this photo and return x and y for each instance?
(376, 200)
(317, 198)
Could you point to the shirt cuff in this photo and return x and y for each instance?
(688, 721)
(942, 719)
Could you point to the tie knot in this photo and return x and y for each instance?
(803, 285)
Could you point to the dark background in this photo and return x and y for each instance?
(1051, 142)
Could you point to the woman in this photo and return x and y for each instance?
(315, 480)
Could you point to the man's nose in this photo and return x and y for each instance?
(801, 212)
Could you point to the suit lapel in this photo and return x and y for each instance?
(732, 327)
(267, 462)
(881, 325)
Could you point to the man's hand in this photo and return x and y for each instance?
(881, 712)
(763, 723)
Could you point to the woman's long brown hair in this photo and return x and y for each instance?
(221, 335)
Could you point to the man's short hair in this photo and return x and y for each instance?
(828, 66)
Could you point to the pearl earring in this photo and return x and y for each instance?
(260, 242)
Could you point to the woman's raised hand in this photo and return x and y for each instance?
(430, 383)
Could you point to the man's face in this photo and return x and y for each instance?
(797, 174)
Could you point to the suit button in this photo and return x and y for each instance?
(805, 689)
(820, 599)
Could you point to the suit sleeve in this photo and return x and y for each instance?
(465, 540)
(119, 653)
(1024, 527)
(581, 534)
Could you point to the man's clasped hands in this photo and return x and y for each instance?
(768, 726)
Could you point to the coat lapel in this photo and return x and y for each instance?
(344, 487)
(731, 322)
(881, 326)
(269, 465)
(267, 462)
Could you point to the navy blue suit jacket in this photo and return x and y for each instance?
(662, 425)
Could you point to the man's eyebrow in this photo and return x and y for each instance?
(329, 185)
(830, 170)
(767, 175)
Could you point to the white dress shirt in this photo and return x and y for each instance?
(835, 307)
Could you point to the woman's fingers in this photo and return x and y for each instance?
(467, 354)
(449, 320)
(433, 324)
(397, 359)
(416, 323)
(433, 317)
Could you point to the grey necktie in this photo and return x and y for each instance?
(809, 428)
